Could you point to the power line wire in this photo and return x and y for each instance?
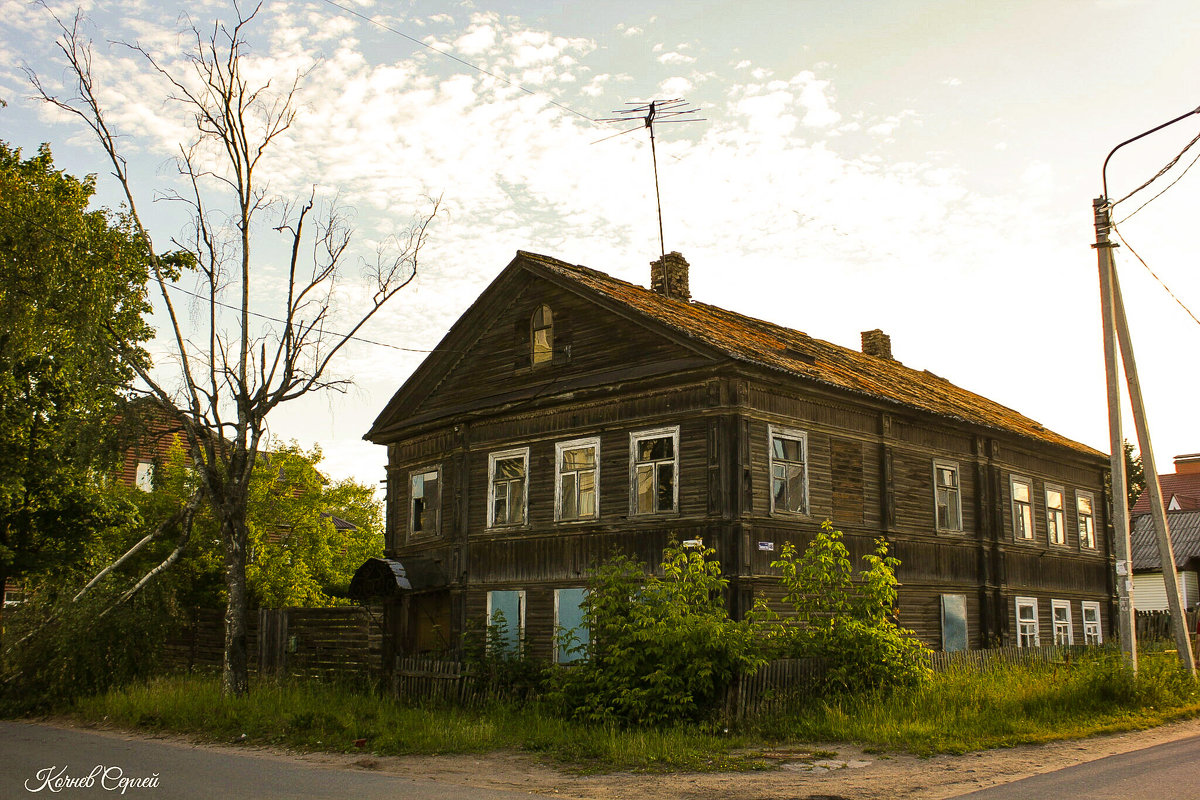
(1157, 175)
(1168, 186)
(1153, 274)
(453, 57)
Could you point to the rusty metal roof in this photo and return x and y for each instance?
(1185, 539)
(773, 346)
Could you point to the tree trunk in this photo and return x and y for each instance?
(235, 679)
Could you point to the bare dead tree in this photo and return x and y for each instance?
(231, 377)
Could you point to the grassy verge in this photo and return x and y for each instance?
(966, 710)
(956, 712)
(318, 716)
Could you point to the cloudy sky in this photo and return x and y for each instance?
(925, 167)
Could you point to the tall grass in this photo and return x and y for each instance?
(963, 710)
(955, 712)
(321, 716)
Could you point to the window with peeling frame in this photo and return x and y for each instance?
(789, 471)
(1022, 508)
(508, 475)
(947, 496)
(654, 464)
(1056, 520)
(578, 467)
(424, 502)
(1087, 520)
(1060, 611)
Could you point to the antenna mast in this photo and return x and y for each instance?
(656, 111)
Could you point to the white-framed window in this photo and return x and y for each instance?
(1091, 622)
(425, 501)
(947, 496)
(788, 460)
(541, 335)
(1027, 622)
(506, 614)
(570, 627)
(1022, 507)
(1084, 505)
(144, 476)
(654, 471)
(1060, 613)
(1056, 518)
(577, 479)
(508, 485)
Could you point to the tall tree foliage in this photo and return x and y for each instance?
(1135, 475)
(72, 300)
(233, 372)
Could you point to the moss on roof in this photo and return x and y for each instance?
(773, 346)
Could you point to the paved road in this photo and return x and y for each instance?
(190, 773)
(1164, 772)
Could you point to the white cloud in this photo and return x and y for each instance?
(676, 86)
(675, 58)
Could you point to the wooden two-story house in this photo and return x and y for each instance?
(569, 414)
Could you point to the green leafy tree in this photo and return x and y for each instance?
(72, 283)
(1135, 475)
(847, 621)
(308, 535)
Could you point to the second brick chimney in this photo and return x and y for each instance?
(877, 343)
(669, 276)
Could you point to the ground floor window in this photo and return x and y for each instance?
(1027, 622)
(571, 630)
(506, 619)
(1061, 610)
(1091, 623)
(954, 622)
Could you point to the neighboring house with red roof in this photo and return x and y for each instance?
(568, 414)
(1180, 489)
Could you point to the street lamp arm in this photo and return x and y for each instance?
(1104, 169)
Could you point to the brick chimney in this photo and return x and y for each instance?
(1188, 464)
(669, 276)
(877, 343)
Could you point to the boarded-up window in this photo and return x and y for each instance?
(571, 633)
(954, 622)
(847, 473)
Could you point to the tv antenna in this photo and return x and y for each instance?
(655, 112)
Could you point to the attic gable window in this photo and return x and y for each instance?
(424, 502)
(947, 496)
(789, 472)
(541, 338)
(654, 466)
(508, 481)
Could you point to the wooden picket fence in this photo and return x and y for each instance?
(328, 643)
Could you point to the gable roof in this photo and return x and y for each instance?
(1185, 539)
(1184, 487)
(796, 354)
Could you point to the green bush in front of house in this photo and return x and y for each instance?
(844, 621)
(663, 649)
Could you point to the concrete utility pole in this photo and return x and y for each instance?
(1116, 326)
(1116, 440)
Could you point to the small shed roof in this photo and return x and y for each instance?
(388, 577)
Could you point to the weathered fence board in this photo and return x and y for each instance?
(340, 642)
